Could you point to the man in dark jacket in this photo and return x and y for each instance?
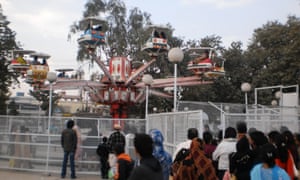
(149, 168)
(103, 151)
(68, 143)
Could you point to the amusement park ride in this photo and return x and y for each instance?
(121, 85)
(31, 65)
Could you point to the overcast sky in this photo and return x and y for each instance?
(43, 25)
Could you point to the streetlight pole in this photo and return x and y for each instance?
(246, 87)
(148, 80)
(51, 77)
(175, 55)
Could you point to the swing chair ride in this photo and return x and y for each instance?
(122, 85)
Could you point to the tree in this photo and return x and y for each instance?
(44, 97)
(273, 56)
(7, 42)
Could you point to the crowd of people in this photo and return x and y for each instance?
(238, 154)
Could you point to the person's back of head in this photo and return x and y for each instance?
(118, 149)
(207, 137)
(272, 135)
(268, 154)
(104, 139)
(192, 133)
(117, 127)
(258, 139)
(241, 127)
(281, 147)
(289, 137)
(143, 144)
(230, 132)
(70, 124)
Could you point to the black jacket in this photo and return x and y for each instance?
(69, 140)
(149, 169)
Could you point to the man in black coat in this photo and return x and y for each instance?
(68, 143)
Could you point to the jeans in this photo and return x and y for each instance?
(65, 162)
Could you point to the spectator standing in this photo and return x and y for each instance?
(291, 145)
(69, 142)
(115, 138)
(195, 165)
(160, 154)
(224, 148)
(103, 152)
(257, 139)
(267, 169)
(148, 167)
(209, 147)
(284, 158)
(124, 163)
(241, 162)
(241, 128)
(191, 134)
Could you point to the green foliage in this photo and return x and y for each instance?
(43, 97)
(7, 42)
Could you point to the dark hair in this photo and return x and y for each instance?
(192, 133)
(70, 124)
(289, 138)
(241, 127)
(273, 136)
(207, 137)
(143, 144)
(118, 148)
(258, 138)
(104, 139)
(268, 154)
(230, 132)
(281, 147)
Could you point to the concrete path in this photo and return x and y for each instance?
(20, 175)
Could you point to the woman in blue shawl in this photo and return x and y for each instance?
(160, 154)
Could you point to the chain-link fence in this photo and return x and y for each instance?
(26, 143)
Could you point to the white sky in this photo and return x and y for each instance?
(44, 25)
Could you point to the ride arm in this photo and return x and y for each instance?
(104, 69)
(138, 71)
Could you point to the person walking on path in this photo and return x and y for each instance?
(68, 142)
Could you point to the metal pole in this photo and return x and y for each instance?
(49, 119)
(175, 87)
(246, 102)
(146, 107)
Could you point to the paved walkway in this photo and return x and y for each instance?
(20, 175)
